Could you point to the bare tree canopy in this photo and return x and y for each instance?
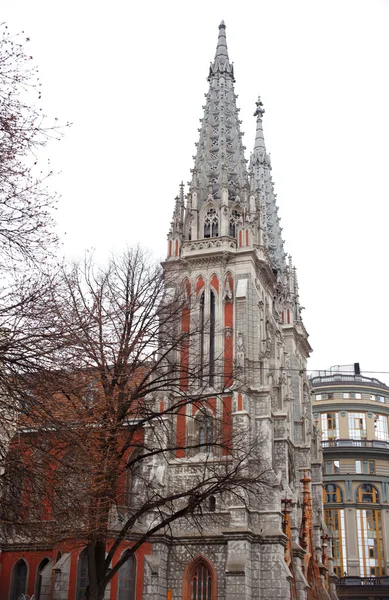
(100, 425)
(26, 224)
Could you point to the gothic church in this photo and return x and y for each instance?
(225, 242)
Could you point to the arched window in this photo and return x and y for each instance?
(204, 424)
(126, 587)
(134, 479)
(19, 580)
(211, 224)
(332, 493)
(38, 581)
(82, 575)
(234, 221)
(199, 581)
(212, 323)
(202, 328)
(367, 493)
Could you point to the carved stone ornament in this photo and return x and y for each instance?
(227, 291)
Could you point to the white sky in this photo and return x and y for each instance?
(131, 76)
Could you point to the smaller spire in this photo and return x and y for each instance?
(221, 48)
(259, 137)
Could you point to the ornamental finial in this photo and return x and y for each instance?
(259, 110)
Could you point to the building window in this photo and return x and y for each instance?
(82, 575)
(234, 221)
(202, 331)
(334, 519)
(19, 580)
(331, 467)
(211, 224)
(126, 587)
(353, 395)
(370, 542)
(329, 396)
(212, 325)
(38, 582)
(329, 426)
(201, 583)
(332, 493)
(134, 479)
(367, 467)
(381, 427)
(211, 338)
(212, 504)
(377, 398)
(204, 426)
(367, 493)
(357, 426)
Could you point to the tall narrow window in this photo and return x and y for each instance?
(134, 479)
(212, 338)
(126, 588)
(334, 519)
(357, 425)
(19, 580)
(204, 426)
(201, 583)
(234, 220)
(211, 224)
(370, 543)
(82, 575)
(202, 326)
(329, 426)
(38, 582)
(381, 427)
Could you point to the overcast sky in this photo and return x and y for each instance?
(131, 76)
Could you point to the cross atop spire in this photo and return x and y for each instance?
(260, 167)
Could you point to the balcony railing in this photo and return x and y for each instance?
(384, 580)
(330, 378)
(344, 443)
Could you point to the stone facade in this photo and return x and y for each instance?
(225, 243)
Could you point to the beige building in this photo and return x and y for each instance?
(352, 412)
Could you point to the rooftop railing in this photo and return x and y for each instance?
(384, 580)
(344, 443)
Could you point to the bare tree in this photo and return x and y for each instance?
(26, 224)
(125, 368)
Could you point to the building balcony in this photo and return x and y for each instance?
(335, 447)
(344, 443)
(363, 588)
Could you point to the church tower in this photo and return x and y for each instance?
(225, 247)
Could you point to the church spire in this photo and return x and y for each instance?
(260, 167)
(220, 162)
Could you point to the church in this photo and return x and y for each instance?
(225, 247)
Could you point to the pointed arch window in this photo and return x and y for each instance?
(211, 224)
(38, 582)
(126, 577)
(19, 580)
(204, 425)
(202, 331)
(134, 479)
(82, 575)
(212, 324)
(200, 581)
(234, 221)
